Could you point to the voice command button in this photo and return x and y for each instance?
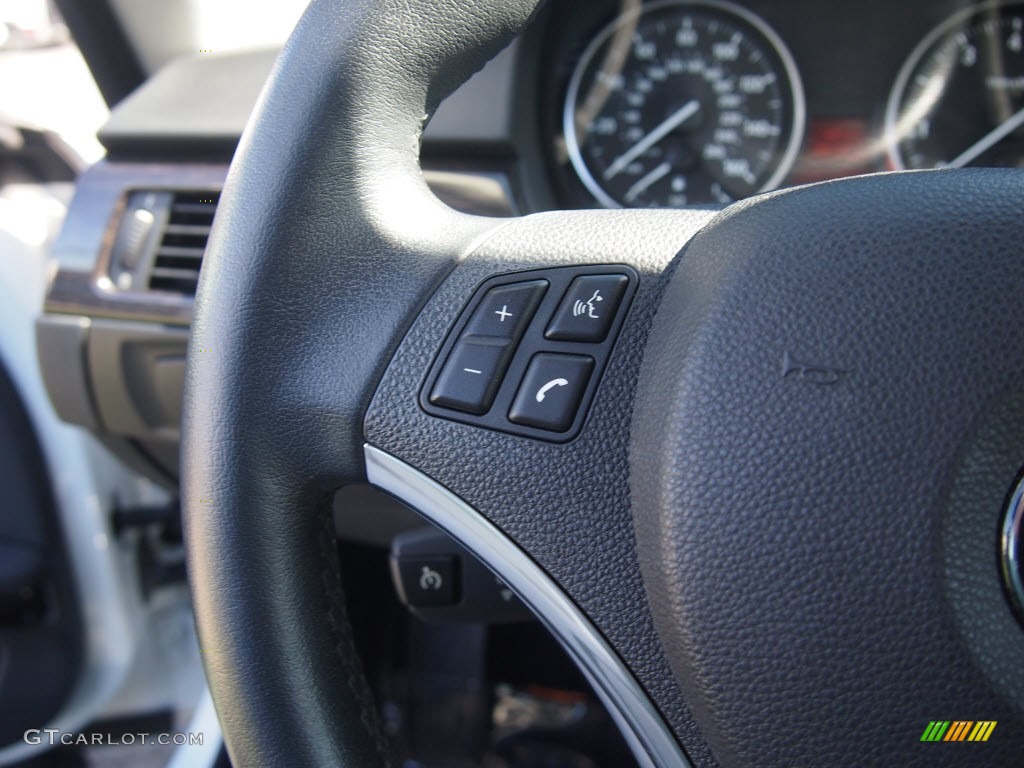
(588, 308)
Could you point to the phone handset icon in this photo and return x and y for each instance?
(550, 385)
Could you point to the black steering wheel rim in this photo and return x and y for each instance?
(335, 135)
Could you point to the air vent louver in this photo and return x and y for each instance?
(180, 252)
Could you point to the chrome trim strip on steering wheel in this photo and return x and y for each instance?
(1012, 537)
(647, 734)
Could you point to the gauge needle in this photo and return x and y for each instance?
(990, 139)
(646, 181)
(670, 123)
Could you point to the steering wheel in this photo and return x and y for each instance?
(770, 532)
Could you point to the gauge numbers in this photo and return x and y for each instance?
(959, 98)
(683, 103)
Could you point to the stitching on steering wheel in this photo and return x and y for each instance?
(337, 617)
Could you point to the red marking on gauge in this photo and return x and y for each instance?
(828, 138)
(835, 147)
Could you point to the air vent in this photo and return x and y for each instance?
(179, 254)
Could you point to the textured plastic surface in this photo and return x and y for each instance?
(810, 535)
(567, 505)
(60, 345)
(135, 375)
(990, 463)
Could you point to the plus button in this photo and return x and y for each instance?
(503, 313)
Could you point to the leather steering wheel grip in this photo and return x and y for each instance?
(326, 243)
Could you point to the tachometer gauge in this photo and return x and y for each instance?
(959, 99)
(683, 103)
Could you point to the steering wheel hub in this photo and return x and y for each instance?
(819, 363)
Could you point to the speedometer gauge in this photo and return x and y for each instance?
(959, 99)
(683, 103)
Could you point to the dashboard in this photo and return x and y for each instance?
(703, 102)
(609, 103)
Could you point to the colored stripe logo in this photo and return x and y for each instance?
(958, 730)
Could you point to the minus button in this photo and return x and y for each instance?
(471, 376)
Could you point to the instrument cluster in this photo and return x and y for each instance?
(677, 103)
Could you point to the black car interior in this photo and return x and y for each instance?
(556, 384)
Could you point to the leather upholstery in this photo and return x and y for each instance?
(325, 245)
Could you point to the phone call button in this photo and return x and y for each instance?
(551, 390)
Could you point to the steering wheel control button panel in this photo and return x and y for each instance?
(527, 353)
(470, 379)
(505, 311)
(427, 580)
(589, 306)
(551, 391)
